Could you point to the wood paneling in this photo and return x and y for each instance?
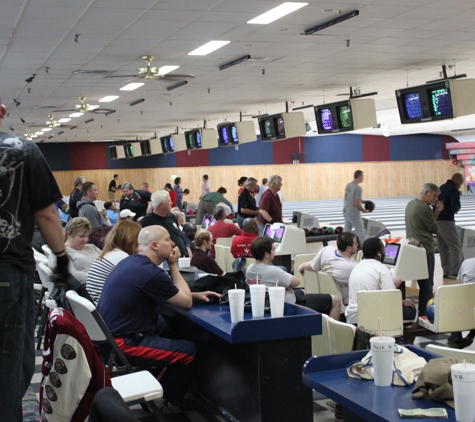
(301, 182)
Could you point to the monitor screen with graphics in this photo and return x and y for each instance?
(391, 252)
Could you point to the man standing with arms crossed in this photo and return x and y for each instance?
(352, 208)
(450, 247)
(421, 225)
(28, 191)
(270, 208)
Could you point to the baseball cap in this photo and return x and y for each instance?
(126, 213)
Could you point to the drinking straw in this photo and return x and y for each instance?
(464, 364)
(235, 285)
(380, 329)
(276, 283)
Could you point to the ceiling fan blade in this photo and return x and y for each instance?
(178, 75)
(123, 76)
(368, 94)
(60, 111)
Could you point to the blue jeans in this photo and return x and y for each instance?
(426, 287)
(240, 220)
(179, 204)
(17, 345)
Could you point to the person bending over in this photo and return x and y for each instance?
(263, 250)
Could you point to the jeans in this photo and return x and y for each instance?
(261, 229)
(353, 220)
(240, 220)
(17, 345)
(179, 204)
(426, 287)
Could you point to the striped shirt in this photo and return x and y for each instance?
(100, 270)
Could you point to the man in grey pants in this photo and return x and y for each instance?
(353, 207)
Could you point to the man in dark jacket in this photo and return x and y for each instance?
(450, 247)
(88, 209)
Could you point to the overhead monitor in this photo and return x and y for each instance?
(228, 134)
(193, 139)
(282, 126)
(132, 149)
(345, 116)
(145, 147)
(116, 152)
(167, 144)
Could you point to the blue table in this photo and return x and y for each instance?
(252, 370)
(362, 400)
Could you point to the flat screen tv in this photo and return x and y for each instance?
(425, 103)
(145, 147)
(129, 151)
(193, 139)
(228, 134)
(334, 117)
(391, 252)
(272, 127)
(279, 234)
(167, 144)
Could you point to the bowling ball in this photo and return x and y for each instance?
(339, 229)
(369, 206)
(191, 212)
(324, 228)
(307, 232)
(319, 232)
(313, 231)
(430, 310)
(330, 230)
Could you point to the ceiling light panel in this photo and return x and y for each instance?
(277, 13)
(108, 98)
(166, 69)
(132, 86)
(64, 120)
(208, 48)
(76, 114)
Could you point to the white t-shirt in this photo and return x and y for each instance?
(367, 275)
(268, 275)
(330, 261)
(467, 271)
(205, 188)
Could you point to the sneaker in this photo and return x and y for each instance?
(460, 344)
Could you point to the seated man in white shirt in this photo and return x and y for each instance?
(336, 261)
(263, 250)
(371, 274)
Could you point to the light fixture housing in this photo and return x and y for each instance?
(77, 114)
(131, 86)
(332, 22)
(235, 62)
(166, 69)
(140, 100)
(277, 13)
(108, 98)
(208, 48)
(64, 120)
(177, 85)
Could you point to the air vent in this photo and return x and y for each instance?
(91, 72)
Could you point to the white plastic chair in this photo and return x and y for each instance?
(134, 387)
(385, 304)
(342, 336)
(321, 344)
(328, 285)
(453, 309)
(228, 259)
(220, 257)
(224, 241)
(299, 260)
(449, 352)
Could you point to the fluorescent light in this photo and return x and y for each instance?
(64, 120)
(108, 99)
(277, 13)
(208, 48)
(46, 129)
(93, 107)
(166, 69)
(77, 114)
(132, 86)
(39, 133)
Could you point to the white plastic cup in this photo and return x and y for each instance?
(463, 381)
(258, 297)
(236, 304)
(382, 350)
(183, 262)
(277, 299)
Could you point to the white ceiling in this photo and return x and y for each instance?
(393, 43)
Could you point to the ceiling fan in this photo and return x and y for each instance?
(150, 72)
(356, 93)
(29, 134)
(80, 108)
(51, 123)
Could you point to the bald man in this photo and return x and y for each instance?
(241, 244)
(134, 290)
(450, 247)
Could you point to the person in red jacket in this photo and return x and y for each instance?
(172, 193)
(241, 245)
(221, 228)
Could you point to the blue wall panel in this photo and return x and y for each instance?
(416, 147)
(56, 155)
(334, 149)
(252, 153)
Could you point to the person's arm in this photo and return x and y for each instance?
(52, 232)
(294, 281)
(204, 296)
(455, 201)
(249, 212)
(183, 298)
(358, 205)
(306, 266)
(228, 204)
(266, 215)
